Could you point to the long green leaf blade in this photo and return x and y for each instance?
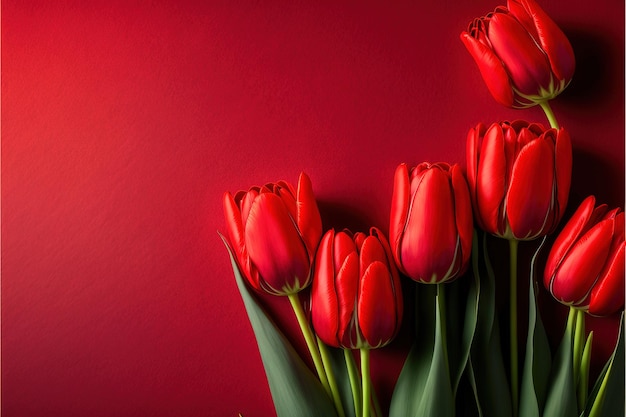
(295, 390)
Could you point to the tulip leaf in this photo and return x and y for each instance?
(295, 390)
(537, 362)
(409, 389)
(561, 397)
(437, 399)
(486, 370)
(340, 370)
(610, 399)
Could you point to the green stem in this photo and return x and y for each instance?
(334, 389)
(579, 341)
(513, 244)
(365, 379)
(583, 382)
(309, 338)
(545, 105)
(441, 305)
(354, 381)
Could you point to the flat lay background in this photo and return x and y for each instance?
(123, 123)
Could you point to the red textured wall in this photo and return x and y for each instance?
(124, 122)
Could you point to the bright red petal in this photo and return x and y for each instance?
(308, 215)
(530, 195)
(607, 296)
(579, 271)
(275, 246)
(565, 240)
(525, 62)
(399, 209)
(376, 306)
(491, 69)
(491, 186)
(324, 303)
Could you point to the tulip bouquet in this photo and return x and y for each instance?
(345, 288)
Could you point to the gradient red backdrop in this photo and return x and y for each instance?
(124, 122)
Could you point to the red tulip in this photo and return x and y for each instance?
(274, 232)
(522, 54)
(585, 268)
(356, 300)
(431, 222)
(519, 177)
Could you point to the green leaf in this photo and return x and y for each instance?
(340, 370)
(611, 397)
(295, 389)
(409, 389)
(537, 362)
(486, 366)
(438, 399)
(561, 398)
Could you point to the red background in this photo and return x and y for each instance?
(123, 123)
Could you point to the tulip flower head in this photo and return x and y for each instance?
(431, 222)
(356, 300)
(585, 267)
(523, 56)
(519, 177)
(274, 231)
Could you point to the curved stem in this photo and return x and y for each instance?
(332, 382)
(579, 341)
(354, 381)
(545, 105)
(583, 382)
(309, 338)
(441, 304)
(365, 379)
(513, 244)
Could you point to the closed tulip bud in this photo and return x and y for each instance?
(523, 56)
(431, 222)
(519, 177)
(274, 231)
(585, 267)
(356, 300)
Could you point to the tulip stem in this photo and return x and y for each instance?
(354, 381)
(334, 389)
(309, 338)
(579, 341)
(365, 379)
(583, 382)
(545, 105)
(513, 244)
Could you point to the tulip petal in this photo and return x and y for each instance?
(429, 241)
(377, 306)
(530, 195)
(324, 303)
(372, 251)
(399, 209)
(275, 246)
(493, 72)
(553, 41)
(463, 212)
(565, 240)
(491, 186)
(347, 283)
(308, 215)
(525, 62)
(607, 296)
(580, 269)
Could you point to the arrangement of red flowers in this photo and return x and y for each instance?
(345, 287)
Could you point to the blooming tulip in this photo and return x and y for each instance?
(356, 301)
(431, 222)
(523, 56)
(519, 177)
(274, 231)
(585, 268)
